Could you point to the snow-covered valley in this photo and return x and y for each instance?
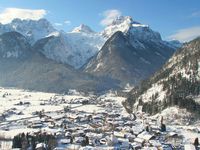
(102, 119)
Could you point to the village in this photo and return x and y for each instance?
(73, 121)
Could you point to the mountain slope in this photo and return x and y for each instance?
(73, 48)
(176, 84)
(14, 45)
(116, 60)
(30, 69)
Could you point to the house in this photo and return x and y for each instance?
(51, 125)
(130, 137)
(155, 143)
(36, 124)
(58, 117)
(65, 141)
(59, 148)
(136, 146)
(139, 140)
(146, 136)
(73, 147)
(118, 134)
(123, 143)
(78, 140)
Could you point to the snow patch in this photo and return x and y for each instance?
(98, 66)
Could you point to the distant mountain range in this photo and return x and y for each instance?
(176, 84)
(37, 56)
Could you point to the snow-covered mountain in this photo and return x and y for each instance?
(33, 30)
(83, 28)
(73, 48)
(176, 84)
(126, 25)
(137, 32)
(132, 53)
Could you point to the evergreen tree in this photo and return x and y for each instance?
(163, 128)
(196, 142)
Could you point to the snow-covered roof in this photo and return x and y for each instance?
(40, 145)
(145, 135)
(139, 140)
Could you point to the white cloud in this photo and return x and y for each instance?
(67, 22)
(109, 16)
(58, 24)
(187, 34)
(9, 14)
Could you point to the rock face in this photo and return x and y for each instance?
(176, 84)
(24, 67)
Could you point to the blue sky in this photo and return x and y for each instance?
(178, 19)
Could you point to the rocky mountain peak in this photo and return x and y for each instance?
(83, 28)
(132, 28)
(122, 19)
(32, 29)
